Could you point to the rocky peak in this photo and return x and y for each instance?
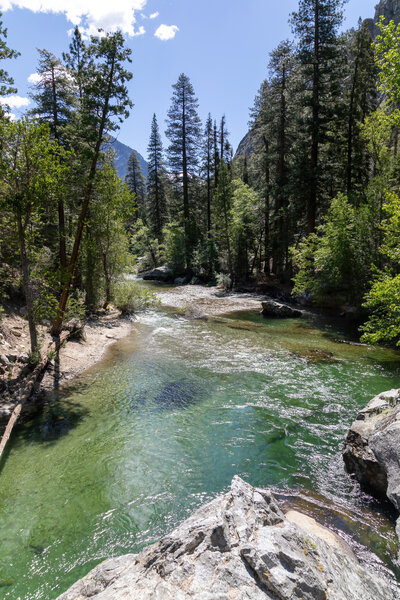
(390, 9)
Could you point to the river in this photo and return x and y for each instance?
(162, 424)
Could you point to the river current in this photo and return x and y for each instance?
(161, 425)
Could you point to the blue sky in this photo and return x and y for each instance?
(222, 45)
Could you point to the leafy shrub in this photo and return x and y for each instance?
(224, 281)
(383, 300)
(174, 243)
(129, 297)
(46, 306)
(338, 257)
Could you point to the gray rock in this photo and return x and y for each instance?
(24, 357)
(12, 357)
(159, 274)
(180, 280)
(196, 281)
(240, 546)
(271, 308)
(372, 448)
(4, 360)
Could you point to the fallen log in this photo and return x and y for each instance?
(26, 391)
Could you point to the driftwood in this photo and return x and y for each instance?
(26, 391)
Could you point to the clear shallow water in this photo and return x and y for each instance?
(163, 424)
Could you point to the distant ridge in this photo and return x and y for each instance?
(122, 152)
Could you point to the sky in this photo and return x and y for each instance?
(221, 45)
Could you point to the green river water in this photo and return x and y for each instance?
(162, 424)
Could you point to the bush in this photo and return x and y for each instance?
(130, 297)
(383, 300)
(224, 281)
(338, 257)
(46, 306)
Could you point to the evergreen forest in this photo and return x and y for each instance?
(310, 199)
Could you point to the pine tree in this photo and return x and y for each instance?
(316, 24)
(216, 153)
(156, 195)
(223, 210)
(184, 133)
(104, 103)
(280, 70)
(6, 81)
(207, 166)
(225, 150)
(53, 97)
(77, 60)
(136, 183)
(361, 101)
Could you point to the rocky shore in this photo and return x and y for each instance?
(372, 448)
(240, 546)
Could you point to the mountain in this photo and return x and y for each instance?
(390, 9)
(122, 152)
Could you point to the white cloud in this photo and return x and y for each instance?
(90, 15)
(14, 101)
(34, 78)
(166, 32)
(154, 15)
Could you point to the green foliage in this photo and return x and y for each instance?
(245, 215)
(156, 182)
(387, 54)
(175, 246)
(6, 81)
(383, 301)
(145, 247)
(224, 281)
(135, 182)
(46, 305)
(129, 297)
(338, 257)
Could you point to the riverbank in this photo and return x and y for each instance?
(202, 301)
(128, 450)
(74, 358)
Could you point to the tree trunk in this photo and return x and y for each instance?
(313, 192)
(57, 326)
(107, 279)
(27, 285)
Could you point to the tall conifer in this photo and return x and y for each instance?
(156, 196)
(183, 132)
(316, 24)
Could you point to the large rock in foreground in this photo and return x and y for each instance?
(372, 448)
(271, 308)
(240, 546)
(159, 274)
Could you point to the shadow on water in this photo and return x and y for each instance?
(57, 417)
(177, 394)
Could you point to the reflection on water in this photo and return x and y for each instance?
(163, 424)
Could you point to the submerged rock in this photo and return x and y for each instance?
(372, 448)
(271, 308)
(159, 274)
(240, 546)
